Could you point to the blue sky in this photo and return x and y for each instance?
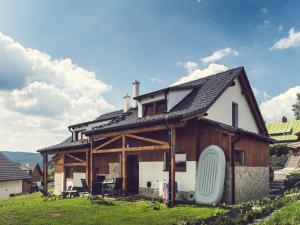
(151, 41)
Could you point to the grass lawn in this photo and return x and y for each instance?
(31, 209)
(288, 215)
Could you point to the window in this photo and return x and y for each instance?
(239, 157)
(154, 108)
(235, 117)
(180, 162)
(79, 135)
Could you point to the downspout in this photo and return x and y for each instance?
(239, 137)
(169, 160)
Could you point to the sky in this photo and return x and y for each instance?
(63, 62)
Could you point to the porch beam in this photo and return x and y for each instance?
(74, 157)
(108, 142)
(74, 164)
(172, 167)
(65, 172)
(147, 139)
(91, 163)
(87, 167)
(66, 151)
(134, 149)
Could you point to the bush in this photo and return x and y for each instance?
(279, 149)
(278, 162)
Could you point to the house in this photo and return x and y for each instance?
(13, 180)
(33, 170)
(286, 132)
(160, 135)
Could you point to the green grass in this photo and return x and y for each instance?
(31, 209)
(288, 215)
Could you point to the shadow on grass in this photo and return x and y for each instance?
(102, 202)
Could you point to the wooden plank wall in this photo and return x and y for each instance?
(101, 162)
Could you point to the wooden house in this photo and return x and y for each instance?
(33, 170)
(160, 135)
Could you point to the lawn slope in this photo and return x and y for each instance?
(30, 209)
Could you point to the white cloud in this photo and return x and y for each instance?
(260, 95)
(281, 105)
(194, 72)
(264, 10)
(280, 28)
(157, 80)
(219, 55)
(292, 40)
(40, 96)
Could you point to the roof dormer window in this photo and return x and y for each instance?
(154, 108)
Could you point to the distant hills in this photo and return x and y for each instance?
(24, 157)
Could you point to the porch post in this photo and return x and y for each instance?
(91, 163)
(45, 170)
(65, 171)
(87, 166)
(124, 172)
(172, 168)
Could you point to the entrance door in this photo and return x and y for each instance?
(132, 168)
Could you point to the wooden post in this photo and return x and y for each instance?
(65, 172)
(172, 168)
(124, 172)
(45, 170)
(91, 163)
(87, 166)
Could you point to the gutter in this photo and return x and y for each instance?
(169, 166)
(239, 137)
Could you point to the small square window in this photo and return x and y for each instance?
(180, 162)
(239, 156)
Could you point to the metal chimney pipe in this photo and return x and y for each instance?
(135, 92)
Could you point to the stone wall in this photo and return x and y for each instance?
(251, 183)
(148, 193)
(114, 171)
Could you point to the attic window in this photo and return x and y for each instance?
(235, 114)
(154, 108)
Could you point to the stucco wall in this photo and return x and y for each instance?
(10, 187)
(58, 183)
(174, 97)
(153, 171)
(221, 110)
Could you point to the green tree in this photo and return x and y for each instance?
(296, 107)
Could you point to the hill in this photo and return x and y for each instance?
(25, 157)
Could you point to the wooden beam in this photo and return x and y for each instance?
(108, 142)
(110, 150)
(45, 170)
(65, 172)
(76, 158)
(131, 131)
(91, 163)
(66, 151)
(133, 149)
(172, 168)
(124, 172)
(87, 167)
(74, 164)
(147, 139)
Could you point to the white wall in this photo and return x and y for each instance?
(58, 183)
(176, 96)
(221, 110)
(153, 171)
(10, 187)
(76, 180)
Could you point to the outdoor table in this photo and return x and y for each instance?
(107, 184)
(69, 194)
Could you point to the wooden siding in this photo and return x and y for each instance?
(26, 186)
(101, 162)
(59, 164)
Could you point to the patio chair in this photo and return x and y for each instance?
(85, 188)
(118, 186)
(97, 189)
(47, 195)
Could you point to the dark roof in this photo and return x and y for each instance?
(206, 91)
(103, 117)
(10, 170)
(66, 144)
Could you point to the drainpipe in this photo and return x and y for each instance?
(71, 132)
(239, 137)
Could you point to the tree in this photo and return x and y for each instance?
(296, 108)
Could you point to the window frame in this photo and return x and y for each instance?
(235, 114)
(238, 151)
(166, 162)
(154, 108)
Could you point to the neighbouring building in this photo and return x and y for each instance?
(13, 180)
(33, 170)
(160, 135)
(286, 132)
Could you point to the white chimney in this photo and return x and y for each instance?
(135, 92)
(126, 103)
